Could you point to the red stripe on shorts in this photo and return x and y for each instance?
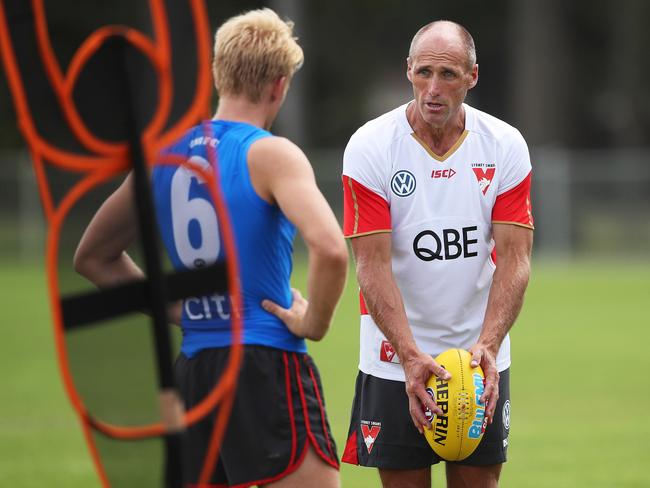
(310, 434)
(322, 410)
(292, 419)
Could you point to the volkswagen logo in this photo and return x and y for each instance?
(506, 415)
(403, 183)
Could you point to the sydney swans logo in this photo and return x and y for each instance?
(403, 183)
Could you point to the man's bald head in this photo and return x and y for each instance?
(448, 28)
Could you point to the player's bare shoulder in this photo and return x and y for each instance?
(279, 151)
(276, 158)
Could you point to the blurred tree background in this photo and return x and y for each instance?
(569, 75)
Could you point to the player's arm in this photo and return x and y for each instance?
(383, 299)
(281, 174)
(513, 246)
(101, 255)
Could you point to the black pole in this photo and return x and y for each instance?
(156, 289)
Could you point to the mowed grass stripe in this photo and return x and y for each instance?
(579, 381)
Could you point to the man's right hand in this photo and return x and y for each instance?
(417, 371)
(294, 316)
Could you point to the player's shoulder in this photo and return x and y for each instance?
(274, 147)
(277, 156)
(491, 127)
(383, 130)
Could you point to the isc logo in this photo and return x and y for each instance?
(442, 173)
(429, 245)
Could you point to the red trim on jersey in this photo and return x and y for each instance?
(514, 206)
(362, 305)
(364, 212)
(350, 454)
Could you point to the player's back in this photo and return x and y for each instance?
(191, 234)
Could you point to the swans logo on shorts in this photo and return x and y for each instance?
(370, 431)
(403, 183)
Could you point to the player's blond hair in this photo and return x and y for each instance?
(252, 50)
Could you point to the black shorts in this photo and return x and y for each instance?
(267, 436)
(382, 433)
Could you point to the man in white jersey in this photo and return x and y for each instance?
(436, 194)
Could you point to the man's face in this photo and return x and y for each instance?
(439, 72)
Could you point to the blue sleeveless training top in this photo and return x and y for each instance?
(263, 235)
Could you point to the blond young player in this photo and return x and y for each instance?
(278, 433)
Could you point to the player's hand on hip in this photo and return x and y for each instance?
(417, 371)
(482, 356)
(293, 317)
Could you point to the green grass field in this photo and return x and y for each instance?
(579, 401)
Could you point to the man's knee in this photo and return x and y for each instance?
(459, 476)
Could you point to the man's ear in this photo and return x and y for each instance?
(474, 75)
(408, 70)
(279, 88)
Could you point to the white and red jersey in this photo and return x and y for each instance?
(440, 211)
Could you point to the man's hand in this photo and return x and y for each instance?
(482, 356)
(293, 317)
(417, 371)
(175, 312)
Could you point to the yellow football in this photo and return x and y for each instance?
(458, 432)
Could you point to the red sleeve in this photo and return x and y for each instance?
(364, 212)
(513, 206)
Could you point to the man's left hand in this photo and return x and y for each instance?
(484, 357)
